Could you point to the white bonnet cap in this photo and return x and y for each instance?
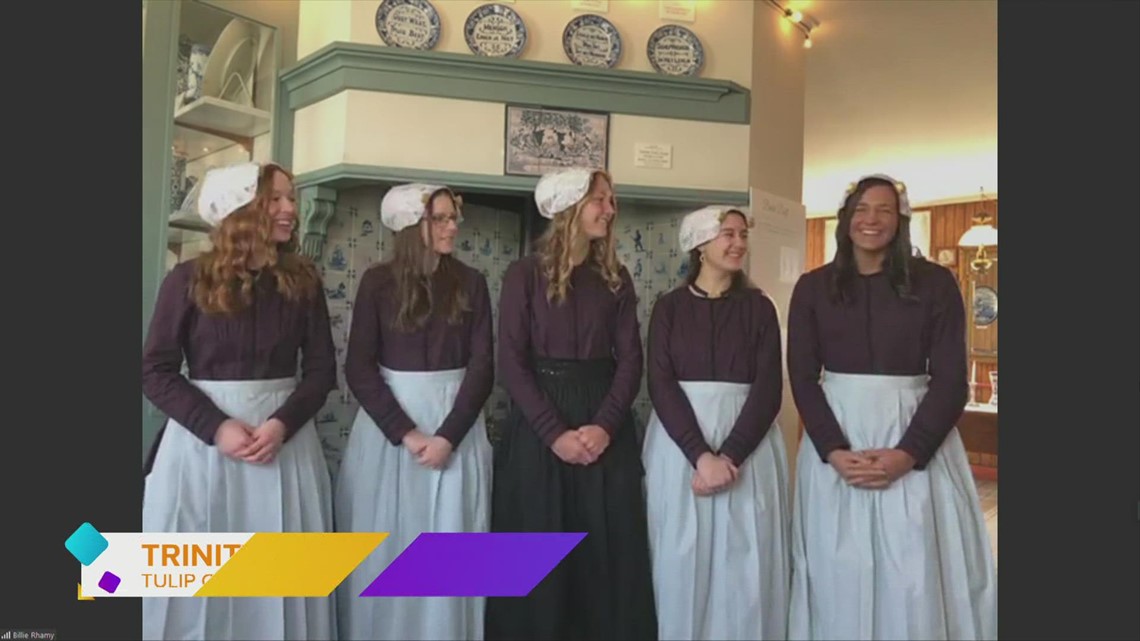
(703, 225)
(559, 190)
(224, 190)
(405, 205)
(900, 189)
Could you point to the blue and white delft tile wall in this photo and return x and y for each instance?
(488, 241)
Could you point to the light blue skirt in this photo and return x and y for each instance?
(912, 561)
(193, 487)
(381, 488)
(721, 564)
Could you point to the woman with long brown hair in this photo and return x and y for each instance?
(889, 540)
(571, 360)
(716, 470)
(417, 460)
(240, 451)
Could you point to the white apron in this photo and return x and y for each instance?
(381, 488)
(721, 564)
(912, 561)
(193, 487)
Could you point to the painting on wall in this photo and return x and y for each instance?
(539, 140)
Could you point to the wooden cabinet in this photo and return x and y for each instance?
(979, 423)
(978, 428)
(980, 291)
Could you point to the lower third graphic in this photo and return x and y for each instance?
(133, 564)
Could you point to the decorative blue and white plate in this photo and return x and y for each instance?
(590, 40)
(985, 305)
(408, 24)
(495, 31)
(675, 51)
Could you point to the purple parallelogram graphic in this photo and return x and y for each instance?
(109, 582)
(473, 564)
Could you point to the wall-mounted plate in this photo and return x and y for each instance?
(985, 305)
(592, 41)
(408, 24)
(495, 31)
(675, 51)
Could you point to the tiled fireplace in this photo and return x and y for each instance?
(490, 238)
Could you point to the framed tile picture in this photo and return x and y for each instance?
(539, 140)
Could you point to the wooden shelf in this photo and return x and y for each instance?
(222, 118)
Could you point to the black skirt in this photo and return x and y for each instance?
(603, 589)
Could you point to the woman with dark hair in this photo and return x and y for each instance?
(889, 540)
(417, 460)
(716, 469)
(571, 360)
(240, 452)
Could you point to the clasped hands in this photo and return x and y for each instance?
(243, 442)
(715, 473)
(871, 469)
(582, 446)
(431, 452)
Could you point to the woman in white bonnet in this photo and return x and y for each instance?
(571, 360)
(716, 470)
(418, 460)
(889, 540)
(240, 452)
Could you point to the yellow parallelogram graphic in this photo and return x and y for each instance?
(84, 598)
(291, 564)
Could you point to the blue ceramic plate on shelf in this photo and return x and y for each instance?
(985, 305)
(592, 41)
(495, 31)
(675, 51)
(408, 24)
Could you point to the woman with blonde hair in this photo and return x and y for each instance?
(716, 469)
(570, 355)
(418, 460)
(240, 451)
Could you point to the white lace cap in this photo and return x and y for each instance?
(224, 190)
(703, 225)
(405, 205)
(560, 190)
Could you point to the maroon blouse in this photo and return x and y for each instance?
(879, 333)
(734, 338)
(590, 323)
(438, 346)
(258, 343)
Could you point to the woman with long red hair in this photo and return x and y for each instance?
(240, 451)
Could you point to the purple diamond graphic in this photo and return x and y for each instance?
(110, 582)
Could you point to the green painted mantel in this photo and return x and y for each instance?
(340, 66)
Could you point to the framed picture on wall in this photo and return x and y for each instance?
(539, 140)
